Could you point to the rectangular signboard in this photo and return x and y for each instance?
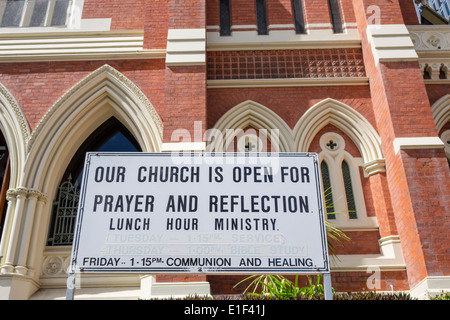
(201, 213)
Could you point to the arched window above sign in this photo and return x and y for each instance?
(111, 136)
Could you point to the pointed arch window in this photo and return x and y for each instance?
(341, 181)
(112, 136)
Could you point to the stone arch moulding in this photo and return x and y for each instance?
(352, 123)
(14, 127)
(102, 94)
(253, 114)
(441, 112)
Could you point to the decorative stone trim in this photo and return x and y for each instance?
(26, 194)
(417, 143)
(441, 111)
(286, 64)
(186, 47)
(291, 82)
(429, 39)
(75, 46)
(391, 42)
(106, 71)
(17, 111)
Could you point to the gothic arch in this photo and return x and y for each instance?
(15, 129)
(441, 112)
(101, 95)
(352, 123)
(253, 114)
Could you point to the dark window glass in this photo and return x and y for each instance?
(4, 180)
(261, 17)
(329, 204)
(13, 13)
(225, 18)
(112, 136)
(351, 206)
(299, 21)
(60, 13)
(336, 17)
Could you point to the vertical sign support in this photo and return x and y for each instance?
(70, 291)
(327, 286)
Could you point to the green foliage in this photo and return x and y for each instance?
(442, 296)
(369, 295)
(280, 288)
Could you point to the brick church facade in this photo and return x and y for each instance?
(360, 82)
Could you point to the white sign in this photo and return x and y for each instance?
(201, 213)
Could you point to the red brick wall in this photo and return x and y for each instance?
(156, 24)
(243, 12)
(317, 11)
(289, 103)
(126, 15)
(37, 86)
(187, 14)
(416, 179)
(409, 12)
(340, 281)
(437, 91)
(185, 99)
(279, 12)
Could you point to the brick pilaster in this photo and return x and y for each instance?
(418, 180)
(185, 81)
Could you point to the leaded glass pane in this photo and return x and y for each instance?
(349, 190)
(59, 17)
(329, 205)
(13, 13)
(39, 13)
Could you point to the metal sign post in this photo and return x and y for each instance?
(327, 286)
(70, 291)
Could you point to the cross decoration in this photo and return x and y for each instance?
(331, 144)
(249, 146)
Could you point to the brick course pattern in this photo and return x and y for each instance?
(274, 64)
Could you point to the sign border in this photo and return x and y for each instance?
(208, 270)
